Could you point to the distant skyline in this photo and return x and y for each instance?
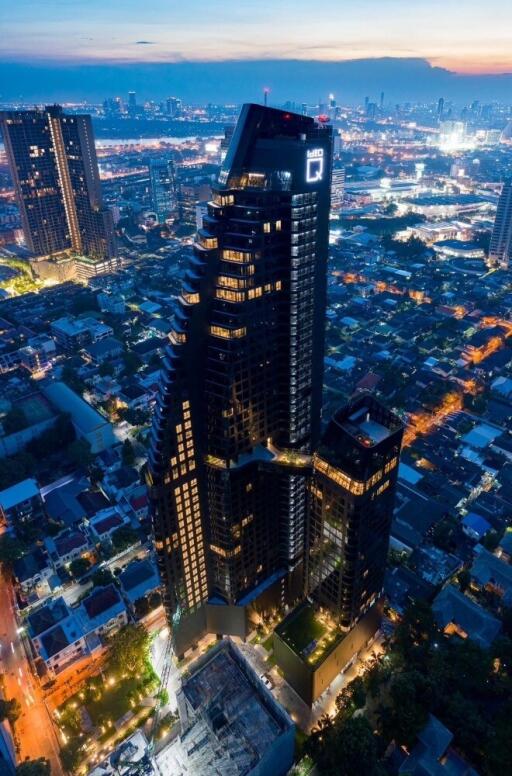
(466, 36)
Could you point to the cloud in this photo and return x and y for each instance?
(145, 42)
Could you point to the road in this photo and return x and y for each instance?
(34, 729)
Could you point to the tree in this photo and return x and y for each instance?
(9, 710)
(102, 577)
(409, 708)
(463, 578)
(79, 452)
(72, 380)
(349, 748)
(16, 468)
(123, 537)
(54, 439)
(417, 629)
(14, 421)
(128, 453)
(352, 697)
(132, 362)
(10, 550)
(129, 650)
(79, 566)
(105, 369)
(39, 767)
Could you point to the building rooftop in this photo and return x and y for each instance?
(453, 608)
(59, 637)
(310, 635)
(47, 616)
(139, 578)
(83, 415)
(17, 494)
(366, 424)
(230, 721)
(101, 600)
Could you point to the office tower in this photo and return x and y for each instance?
(337, 187)
(440, 107)
(162, 187)
(173, 107)
(371, 110)
(500, 249)
(238, 413)
(304, 109)
(55, 171)
(132, 104)
(352, 491)
(382, 100)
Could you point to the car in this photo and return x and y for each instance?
(267, 681)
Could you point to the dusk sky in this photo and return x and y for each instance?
(463, 35)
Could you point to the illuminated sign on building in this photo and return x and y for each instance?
(314, 165)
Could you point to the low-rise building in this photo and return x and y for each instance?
(105, 523)
(32, 570)
(67, 547)
(87, 422)
(21, 503)
(490, 573)
(458, 615)
(139, 580)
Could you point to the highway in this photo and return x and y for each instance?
(34, 730)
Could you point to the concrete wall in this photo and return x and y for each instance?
(310, 681)
(14, 443)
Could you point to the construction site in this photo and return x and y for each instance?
(230, 723)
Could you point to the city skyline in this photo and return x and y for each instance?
(61, 31)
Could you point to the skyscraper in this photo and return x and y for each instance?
(500, 249)
(337, 187)
(55, 171)
(132, 104)
(162, 185)
(173, 107)
(351, 488)
(238, 414)
(352, 497)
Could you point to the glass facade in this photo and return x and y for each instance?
(55, 171)
(246, 360)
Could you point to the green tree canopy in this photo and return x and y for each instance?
(9, 710)
(129, 650)
(39, 767)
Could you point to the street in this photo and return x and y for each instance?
(34, 730)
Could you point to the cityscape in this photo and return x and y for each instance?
(255, 397)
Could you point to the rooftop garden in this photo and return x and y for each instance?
(310, 633)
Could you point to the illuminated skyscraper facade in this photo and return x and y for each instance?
(352, 497)
(500, 249)
(162, 185)
(55, 171)
(238, 414)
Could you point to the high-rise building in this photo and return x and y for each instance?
(353, 491)
(500, 249)
(55, 171)
(173, 107)
(162, 184)
(440, 107)
(238, 415)
(132, 104)
(337, 187)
